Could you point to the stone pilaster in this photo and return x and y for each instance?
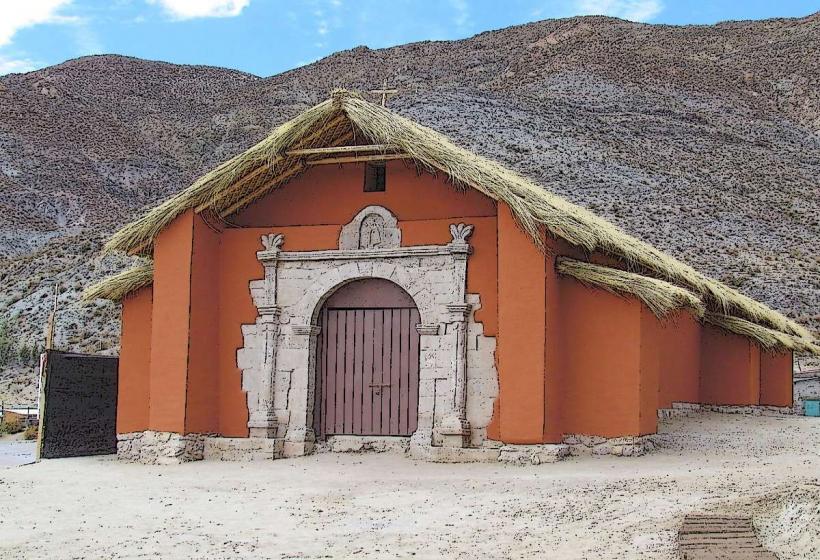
(262, 421)
(455, 429)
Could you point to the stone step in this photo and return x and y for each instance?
(242, 449)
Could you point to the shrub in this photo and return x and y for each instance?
(30, 433)
(7, 349)
(10, 427)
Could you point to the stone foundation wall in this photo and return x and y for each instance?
(628, 446)
(533, 454)
(160, 448)
(360, 444)
(691, 409)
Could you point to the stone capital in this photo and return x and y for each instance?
(306, 330)
(458, 311)
(270, 312)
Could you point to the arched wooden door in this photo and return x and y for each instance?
(367, 362)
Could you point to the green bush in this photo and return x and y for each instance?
(14, 349)
(7, 346)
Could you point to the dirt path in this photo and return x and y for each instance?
(385, 506)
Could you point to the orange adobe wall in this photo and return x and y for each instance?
(609, 363)
(168, 377)
(730, 368)
(202, 276)
(570, 358)
(203, 343)
(520, 350)
(135, 360)
(680, 349)
(776, 384)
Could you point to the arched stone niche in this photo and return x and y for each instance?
(375, 227)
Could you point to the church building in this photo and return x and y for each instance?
(356, 281)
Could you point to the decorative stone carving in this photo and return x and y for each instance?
(460, 233)
(375, 227)
(372, 232)
(273, 241)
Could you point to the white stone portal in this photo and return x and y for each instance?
(458, 382)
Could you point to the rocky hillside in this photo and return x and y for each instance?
(704, 140)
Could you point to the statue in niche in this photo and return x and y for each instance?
(371, 232)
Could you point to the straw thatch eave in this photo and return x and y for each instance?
(768, 339)
(660, 297)
(117, 287)
(346, 118)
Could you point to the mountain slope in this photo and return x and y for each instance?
(704, 140)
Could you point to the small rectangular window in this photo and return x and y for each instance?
(374, 177)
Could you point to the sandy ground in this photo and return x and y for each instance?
(387, 506)
(15, 451)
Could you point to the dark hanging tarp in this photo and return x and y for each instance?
(79, 405)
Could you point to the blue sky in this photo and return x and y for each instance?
(266, 37)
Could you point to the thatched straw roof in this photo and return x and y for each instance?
(346, 119)
(120, 285)
(659, 296)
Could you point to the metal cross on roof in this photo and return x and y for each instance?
(384, 92)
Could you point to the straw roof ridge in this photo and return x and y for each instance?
(120, 285)
(534, 207)
(659, 296)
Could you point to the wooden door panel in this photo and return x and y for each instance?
(367, 366)
(413, 373)
(368, 344)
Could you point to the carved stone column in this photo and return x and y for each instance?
(262, 421)
(455, 429)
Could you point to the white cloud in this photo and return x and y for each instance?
(10, 65)
(633, 10)
(190, 9)
(321, 21)
(86, 40)
(16, 15)
(462, 15)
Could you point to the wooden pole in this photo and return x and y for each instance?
(41, 401)
(51, 318)
(342, 150)
(355, 159)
